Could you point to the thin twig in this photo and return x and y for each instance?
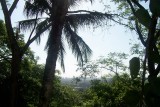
(143, 80)
(123, 24)
(140, 34)
(137, 3)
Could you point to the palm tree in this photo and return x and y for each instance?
(62, 24)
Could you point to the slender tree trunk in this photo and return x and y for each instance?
(15, 69)
(16, 57)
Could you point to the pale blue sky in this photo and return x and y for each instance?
(101, 41)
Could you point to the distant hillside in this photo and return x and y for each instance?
(83, 84)
(69, 81)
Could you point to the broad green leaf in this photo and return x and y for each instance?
(134, 67)
(143, 17)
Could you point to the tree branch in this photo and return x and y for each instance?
(13, 7)
(137, 3)
(132, 8)
(4, 6)
(34, 38)
(136, 23)
(140, 34)
(143, 77)
(126, 25)
(10, 32)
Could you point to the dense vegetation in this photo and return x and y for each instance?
(25, 83)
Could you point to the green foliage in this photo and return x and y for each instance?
(27, 85)
(65, 96)
(113, 62)
(149, 36)
(120, 92)
(30, 82)
(5, 54)
(2, 29)
(143, 17)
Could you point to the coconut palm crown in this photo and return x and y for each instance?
(73, 20)
(62, 24)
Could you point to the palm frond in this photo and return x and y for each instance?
(45, 24)
(61, 55)
(33, 7)
(28, 24)
(88, 18)
(74, 25)
(48, 40)
(79, 48)
(40, 32)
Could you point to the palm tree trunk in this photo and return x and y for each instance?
(59, 10)
(49, 72)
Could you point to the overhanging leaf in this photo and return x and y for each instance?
(134, 65)
(143, 17)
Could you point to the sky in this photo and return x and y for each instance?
(101, 40)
